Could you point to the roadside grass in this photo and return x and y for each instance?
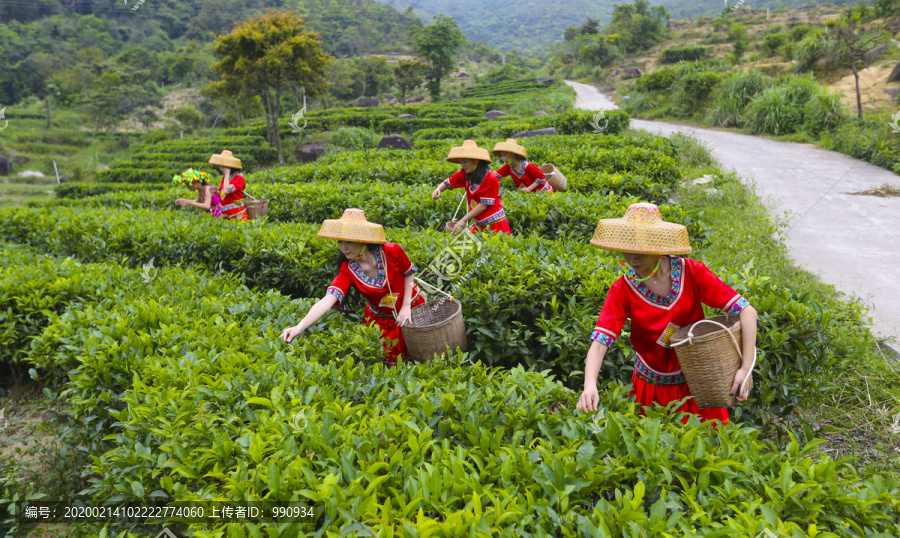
(861, 418)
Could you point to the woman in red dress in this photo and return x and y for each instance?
(527, 176)
(660, 292)
(482, 189)
(380, 271)
(232, 187)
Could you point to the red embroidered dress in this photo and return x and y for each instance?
(657, 374)
(232, 204)
(383, 295)
(488, 193)
(526, 176)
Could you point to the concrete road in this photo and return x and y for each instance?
(852, 242)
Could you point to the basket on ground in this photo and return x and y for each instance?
(434, 327)
(556, 179)
(709, 351)
(256, 207)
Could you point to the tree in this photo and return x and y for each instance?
(850, 44)
(376, 75)
(590, 26)
(188, 119)
(408, 76)
(438, 44)
(737, 33)
(273, 53)
(640, 25)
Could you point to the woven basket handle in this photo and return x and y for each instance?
(248, 195)
(690, 340)
(459, 206)
(420, 281)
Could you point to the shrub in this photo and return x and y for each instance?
(824, 111)
(732, 96)
(779, 109)
(772, 43)
(686, 54)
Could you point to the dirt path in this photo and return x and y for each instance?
(852, 242)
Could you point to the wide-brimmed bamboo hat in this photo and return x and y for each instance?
(226, 158)
(641, 231)
(353, 226)
(468, 150)
(511, 146)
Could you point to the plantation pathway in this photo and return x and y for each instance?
(852, 242)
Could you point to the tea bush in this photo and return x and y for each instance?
(651, 165)
(95, 188)
(448, 447)
(536, 312)
(160, 161)
(397, 205)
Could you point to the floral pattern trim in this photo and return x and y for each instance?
(659, 300)
(649, 375)
(521, 170)
(487, 201)
(412, 271)
(737, 306)
(337, 293)
(599, 336)
(498, 216)
(366, 279)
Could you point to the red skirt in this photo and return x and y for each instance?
(646, 394)
(501, 226)
(391, 333)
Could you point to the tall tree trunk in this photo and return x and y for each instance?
(237, 106)
(267, 101)
(277, 132)
(858, 97)
(48, 111)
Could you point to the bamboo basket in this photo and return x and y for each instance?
(449, 226)
(556, 178)
(709, 351)
(434, 327)
(256, 207)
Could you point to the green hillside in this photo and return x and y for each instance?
(73, 40)
(694, 8)
(530, 25)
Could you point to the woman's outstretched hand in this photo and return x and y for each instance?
(436, 193)
(589, 399)
(288, 334)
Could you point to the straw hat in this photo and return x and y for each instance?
(226, 158)
(353, 226)
(511, 146)
(641, 231)
(468, 150)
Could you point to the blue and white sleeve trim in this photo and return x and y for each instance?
(603, 336)
(337, 293)
(736, 305)
(487, 201)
